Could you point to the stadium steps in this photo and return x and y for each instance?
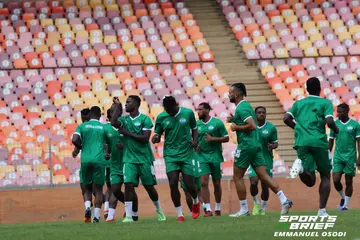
(234, 67)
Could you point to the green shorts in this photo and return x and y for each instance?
(197, 184)
(347, 167)
(107, 174)
(250, 156)
(116, 178)
(144, 172)
(93, 173)
(185, 167)
(211, 168)
(314, 158)
(252, 173)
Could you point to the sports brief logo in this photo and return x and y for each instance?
(307, 226)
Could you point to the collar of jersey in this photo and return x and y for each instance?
(240, 102)
(135, 117)
(314, 96)
(207, 121)
(94, 120)
(346, 121)
(262, 125)
(178, 112)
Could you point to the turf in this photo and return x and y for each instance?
(218, 228)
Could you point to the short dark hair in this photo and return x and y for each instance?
(169, 101)
(257, 108)
(95, 111)
(205, 105)
(136, 99)
(313, 85)
(85, 114)
(240, 87)
(344, 106)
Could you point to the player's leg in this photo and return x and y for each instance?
(206, 194)
(254, 190)
(131, 180)
(238, 179)
(187, 171)
(98, 183)
(108, 192)
(86, 178)
(116, 181)
(187, 195)
(265, 194)
(173, 173)
(148, 179)
(350, 171)
(338, 185)
(216, 175)
(260, 168)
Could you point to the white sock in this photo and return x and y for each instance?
(92, 213)
(157, 205)
(111, 214)
(244, 206)
(281, 196)
(322, 210)
(263, 204)
(347, 201)
(217, 207)
(106, 206)
(203, 205)
(179, 211)
(256, 199)
(135, 214)
(195, 200)
(208, 207)
(87, 204)
(341, 193)
(97, 213)
(128, 209)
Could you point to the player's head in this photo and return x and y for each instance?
(170, 105)
(203, 110)
(260, 113)
(313, 86)
(343, 111)
(95, 113)
(85, 115)
(237, 90)
(132, 103)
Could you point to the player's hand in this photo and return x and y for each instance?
(358, 162)
(107, 156)
(197, 149)
(208, 138)
(229, 119)
(116, 100)
(270, 146)
(336, 130)
(233, 127)
(155, 139)
(74, 154)
(194, 144)
(119, 146)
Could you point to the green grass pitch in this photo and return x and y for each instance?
(217, 228)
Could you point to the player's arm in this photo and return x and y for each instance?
(358, 148)
(274, 140)
(158, 131)
(76, 137)
(144, 137)
(194, 130)
(247, 127)
(222, 132)
(114, 118)
(289, 116)
(331, 140)
(75, 152)
(329, 117)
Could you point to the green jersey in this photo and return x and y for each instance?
(137, 152)
(93, 140)
(114, 137)
(211, 151)
(267, 134)
(177, 131)
(345, 148)
(243, 112)
(310, 115)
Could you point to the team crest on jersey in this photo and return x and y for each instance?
(211, 128)
(110, 135)
(349, 128)
(182, 120)
(167, 123)
(265, 132)
(137, 124)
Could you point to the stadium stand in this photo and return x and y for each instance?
(58, 57)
